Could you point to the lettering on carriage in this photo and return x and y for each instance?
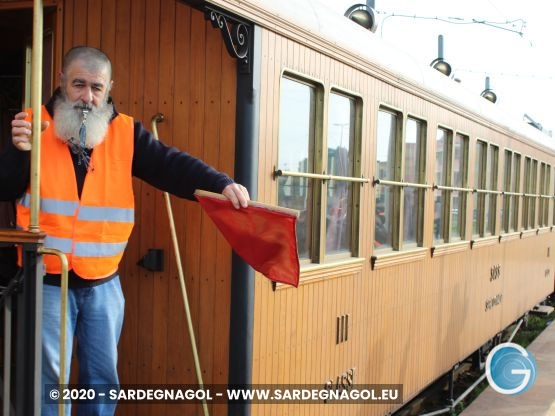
(344, 381)
(495, 272)
(494, 301)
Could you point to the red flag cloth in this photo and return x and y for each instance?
(266, 239)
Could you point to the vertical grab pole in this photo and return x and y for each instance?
(157, 118)
(36, 98)
(63, 318)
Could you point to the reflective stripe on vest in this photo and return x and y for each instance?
(99, 249)
(52, 206)
(62, 244)
(106, 214)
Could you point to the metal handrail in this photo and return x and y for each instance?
(36, 95)
(379, 181)
(63, 317)
(158, 118)
(452, 188)
(279, 172)
(487, 191)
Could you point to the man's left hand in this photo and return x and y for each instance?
(237, 194)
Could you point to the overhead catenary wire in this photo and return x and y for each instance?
(158, 118)
(459, 21)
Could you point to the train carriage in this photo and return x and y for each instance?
(426, 214)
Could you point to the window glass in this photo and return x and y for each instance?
(386, 169)
(506, 204)
(491, 199)
(296, 144)
(383, 219)
(339, 201)
(527, 189)
(479, 183)
(413, 203)
(458, 198)
(440, 197)
(533, 190)
(515, 200)
(386, 149)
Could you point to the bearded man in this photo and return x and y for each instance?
(89, 153)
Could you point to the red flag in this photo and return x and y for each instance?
(263, 235)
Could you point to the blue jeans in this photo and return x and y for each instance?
(95, 317)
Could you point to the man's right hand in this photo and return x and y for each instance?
(22, 131)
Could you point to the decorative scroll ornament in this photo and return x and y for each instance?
(236, 34)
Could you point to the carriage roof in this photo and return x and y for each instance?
(316, 18)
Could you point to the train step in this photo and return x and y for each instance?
(542, 310)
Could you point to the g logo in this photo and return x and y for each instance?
(510, 369)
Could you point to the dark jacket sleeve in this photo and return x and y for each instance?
(172, 170)
(14, 172)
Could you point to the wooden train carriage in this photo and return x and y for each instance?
(463, 246)
(411, 256)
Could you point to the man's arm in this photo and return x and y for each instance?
(177, 172)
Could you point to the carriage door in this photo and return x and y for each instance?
(15, 79)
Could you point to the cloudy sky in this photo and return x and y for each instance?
(521, 67)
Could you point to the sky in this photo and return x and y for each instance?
(521, 68)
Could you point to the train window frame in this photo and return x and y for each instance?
(487, 191)
(464, 189)
(517, 157)
(396, 184)
(357, 173)
(552, 197)
(530, 193)
(535, 195)
(317, 250)
(317, 125)
(447, 189)
(422, 159)
(544, 197)
(511, 192)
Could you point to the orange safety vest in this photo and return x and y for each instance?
(91, 231)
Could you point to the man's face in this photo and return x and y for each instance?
(87, 83)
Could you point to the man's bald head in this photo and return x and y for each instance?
(92, 58)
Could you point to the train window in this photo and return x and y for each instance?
(545, 172)
(505, 206)
(317, 171)
(414, 173)
(485, 182)
(400, 169)
(546, 193)
(443, 149)
(527, 192)
(479, 169)
(451, 181)
(511, 186)
(491, 185)
(386, 162)
(553, 218)
(533, 200)
(459, 180)
(515, 181)
(531, 193)
(297, 126)
(341, 162)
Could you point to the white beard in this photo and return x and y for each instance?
(68, 119)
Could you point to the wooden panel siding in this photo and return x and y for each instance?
(167, 58)
(409, 323)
